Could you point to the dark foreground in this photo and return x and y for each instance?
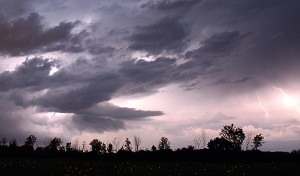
(18, 166)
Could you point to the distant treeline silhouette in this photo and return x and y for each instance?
(226, 147)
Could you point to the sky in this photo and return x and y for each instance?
(89, 69)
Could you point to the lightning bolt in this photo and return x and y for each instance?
(288, 100)
(282, 92)
(262, 107)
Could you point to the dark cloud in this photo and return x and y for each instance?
(167, 34)
(145, 76)
(89, 92)
(192, 69)
(72, 88)
(259, 39)
(218, 45)
(229, 81)
(27, 35)
(170, 4)
(115, 112)
(67, 90)
(209, 58)
(95, 50)
(157, 71)
(108, 117)
(33, 73)
(271, 49)
(82, 84)
(77, 88)
(94, 123)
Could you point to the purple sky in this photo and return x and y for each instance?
(102, 69)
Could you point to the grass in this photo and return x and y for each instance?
(69, 167)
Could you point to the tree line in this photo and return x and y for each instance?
(226, 147)
(230, 138)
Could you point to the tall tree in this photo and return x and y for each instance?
(68, 147)
(197, 142)
(3, 141)
(201, 139)
(164, 143)
(153, 148)
(248, 140)
(128, 145)
(220, 144)
(203, 136)
(98, 146)
(95, 145)
(116, 142)
(233, 134)
(54, 144)
(13, 143)
(110, 148)
(84, 147)
(30, 141)
(258, 141)
(103, 148)
(137, 142)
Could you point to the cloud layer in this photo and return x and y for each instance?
(76, 60)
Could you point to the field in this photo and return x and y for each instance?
(13, 166)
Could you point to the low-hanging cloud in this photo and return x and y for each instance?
(80, 89)
(106, 117)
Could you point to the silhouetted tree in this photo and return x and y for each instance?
(84, 147)
(190, 147)
(116, 142)
(220, 144)
(110, 148)
(62, 148)
(203, 136)
(200, 140)
(233, 134)
(248, 140)
(30, 141)
(98, 146)
(153, 148)
(68, 147)
(297, 152)
(103, 148)
(13, 143)
(137, 142)
(76, 145)
(54, 144)
(164, 143)
(128, 145)
(95, 145)
(258, 141)
(3, 141)
(197, 142)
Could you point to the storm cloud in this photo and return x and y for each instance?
(95, 65)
